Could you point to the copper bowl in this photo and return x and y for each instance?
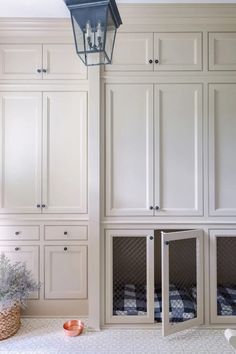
(73, 328)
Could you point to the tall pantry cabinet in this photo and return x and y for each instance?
(44, 167)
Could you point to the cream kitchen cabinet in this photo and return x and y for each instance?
(154, 157)
(222, 51)
(65, 272)
(222, 147)
(41, 150)
(36, 61)
(25, 254)
(157, 51)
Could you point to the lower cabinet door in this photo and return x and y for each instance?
(25, 254)
(65, 272)
(223, 276)
(129, 276)
(182, 280)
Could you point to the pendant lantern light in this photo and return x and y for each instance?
(94, 23)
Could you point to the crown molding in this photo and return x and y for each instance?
(150, 16)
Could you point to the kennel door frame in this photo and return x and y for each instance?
(214, 317)
(167, 327)
(149, 235)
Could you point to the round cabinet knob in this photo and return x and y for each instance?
(157, 207)
(39, 71)
(151, 237)
(150, 61)
(151, 207)
(44, 71)
(43, 206)
(156, 61)
(65, 233)
(65, 248)
(17, 248)
(38, 206)
(17, 233)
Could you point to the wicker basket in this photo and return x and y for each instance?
(9, 322)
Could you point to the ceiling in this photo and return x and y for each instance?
(57, 8)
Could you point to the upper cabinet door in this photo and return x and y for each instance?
(129, 149)
(60, 61)
(132, 51)
(20, 152)
(178, 51)
(20, 61)
(222, 51)
(65, 152)
(178, 149)
(222, 147)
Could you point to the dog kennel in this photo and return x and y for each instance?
(154, 277)
(223, 276)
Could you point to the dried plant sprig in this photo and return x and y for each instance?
(16, 283)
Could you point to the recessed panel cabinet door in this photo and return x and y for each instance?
(132, 51)
(60, 61)
(178, 149)
(222, 147)
(24, 254)
(129, 149)
(20, 152)
(65, 152)
(66, 272)
(178, 51)
(222, 51)
(20, 61)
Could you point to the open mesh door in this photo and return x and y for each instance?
(182, 280)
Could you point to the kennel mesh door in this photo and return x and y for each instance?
(226, 275)
(130, 276)
(182, 280)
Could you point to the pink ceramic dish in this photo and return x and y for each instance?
(73, 328)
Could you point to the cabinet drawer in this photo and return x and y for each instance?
(222, 51)
(15, 232)
(25, 254)
(66, 232)
(66, 275)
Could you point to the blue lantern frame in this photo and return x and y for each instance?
(94, 24)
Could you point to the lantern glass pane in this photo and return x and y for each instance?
(94, 33)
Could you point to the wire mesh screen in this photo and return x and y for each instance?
(129, 276)
(226, 276)
(182, 280)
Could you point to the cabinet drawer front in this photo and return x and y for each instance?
(132, 52)
(66, 275)
(25, 254)
(222, 51)
(19, 232)
(178, 51)
(66, 232)
(20, 61)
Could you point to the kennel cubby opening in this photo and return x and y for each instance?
(226, 275)
(130, 283)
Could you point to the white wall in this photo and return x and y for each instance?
(57, 8)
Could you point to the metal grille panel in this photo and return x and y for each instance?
(129, 267)
(183, 279)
